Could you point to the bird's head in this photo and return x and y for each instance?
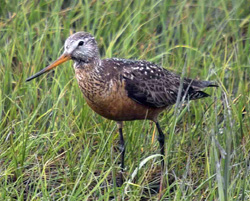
(81, 47)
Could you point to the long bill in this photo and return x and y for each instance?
(60, 60)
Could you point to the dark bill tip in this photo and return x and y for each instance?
(60, 60)
(35, 76)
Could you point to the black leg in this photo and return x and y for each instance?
(122, 149)
(161, 139)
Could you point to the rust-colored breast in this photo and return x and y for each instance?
(109, 98)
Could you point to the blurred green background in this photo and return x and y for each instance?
(53, 147)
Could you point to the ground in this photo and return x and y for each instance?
(53, 147)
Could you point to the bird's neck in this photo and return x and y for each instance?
(91, 82)
(88, 65)
(88, 72)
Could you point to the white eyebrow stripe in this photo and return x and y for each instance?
(72, 46)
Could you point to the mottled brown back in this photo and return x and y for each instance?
(152, 85)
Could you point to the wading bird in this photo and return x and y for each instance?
(125, 90)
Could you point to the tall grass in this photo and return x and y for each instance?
(53, 147)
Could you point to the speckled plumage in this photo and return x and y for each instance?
(122, 89)
(148, 85)
(144, 82)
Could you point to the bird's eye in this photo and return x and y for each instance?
(80, 43)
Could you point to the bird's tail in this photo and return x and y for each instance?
(197, 95)
(202, 84)
(197, 85)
